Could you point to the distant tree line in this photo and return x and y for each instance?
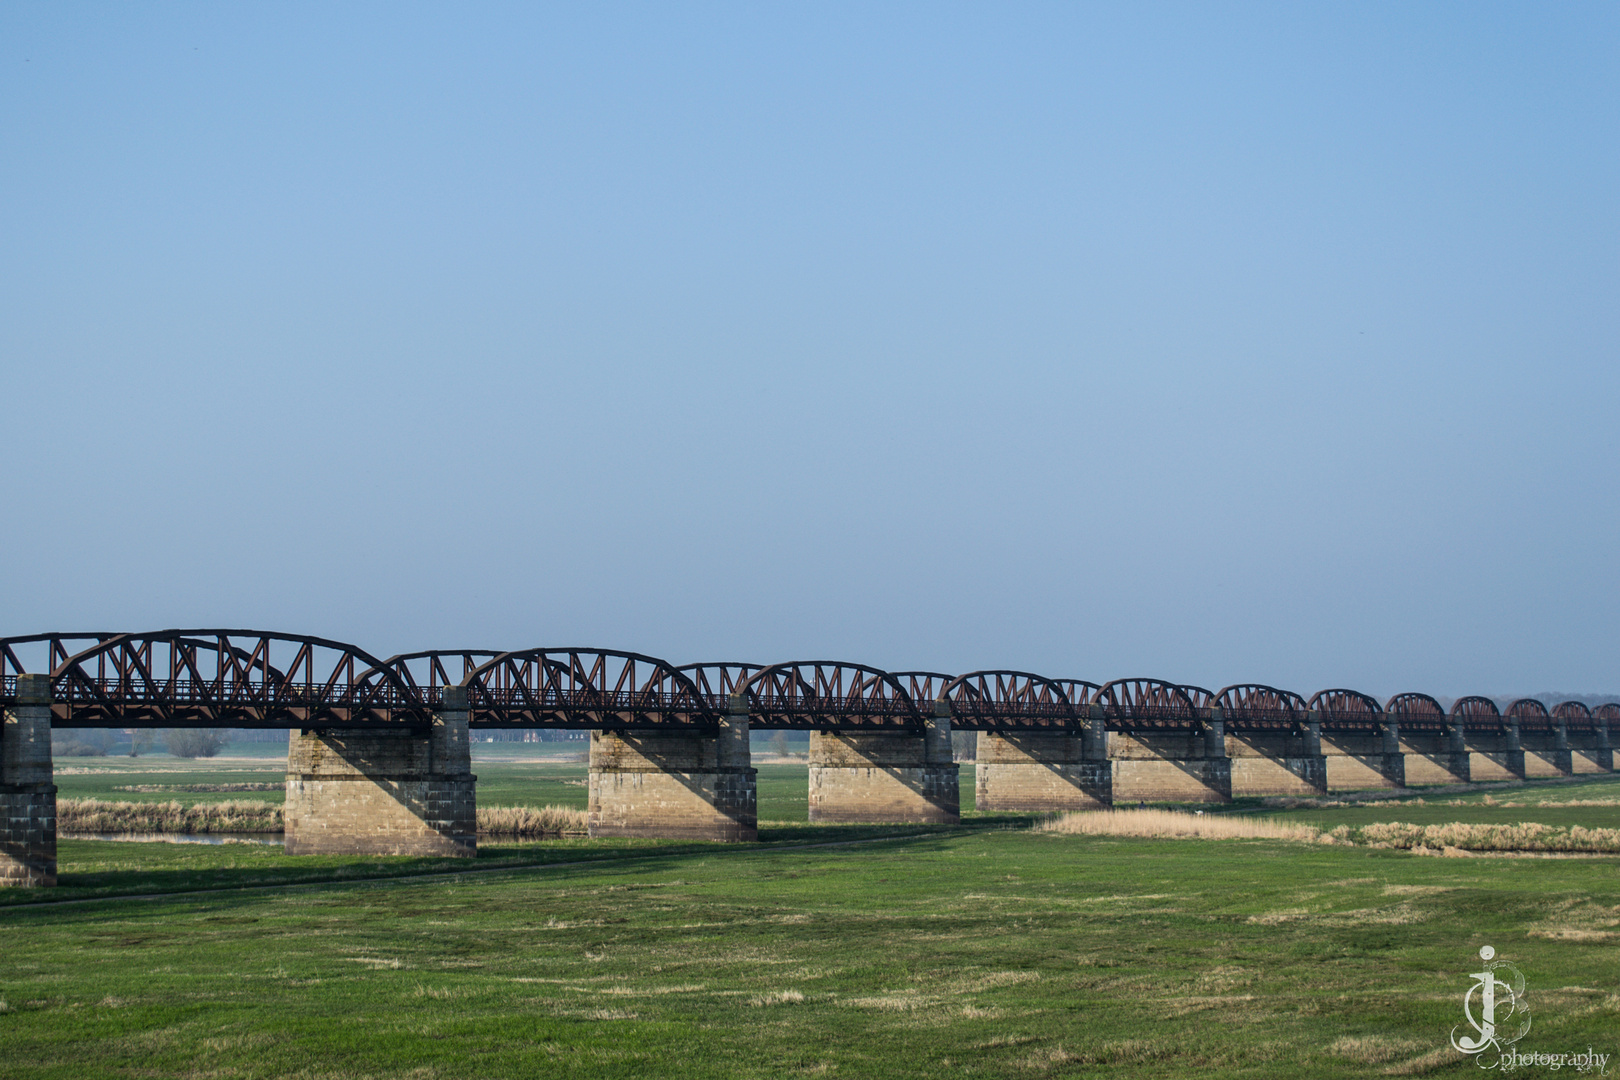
(99, 742)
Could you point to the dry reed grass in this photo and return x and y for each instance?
(105, 816)
(1464, 836)
(1175, 824)
(530, 820)
(246, 816)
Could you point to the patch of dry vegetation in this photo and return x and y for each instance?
(1175, 824)
(530, 820)
(105, 816)
(1466, 836)
(1449, 837)
(1373, 1049)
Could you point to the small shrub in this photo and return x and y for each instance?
(81, 742)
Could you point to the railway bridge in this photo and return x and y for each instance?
(379, 760)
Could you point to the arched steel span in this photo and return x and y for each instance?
(1477, 713)
(226, 678)
(1346, 709)
(428, 673)
(583, 688)
(1082, 694)
(1001, 700)
(1257, 707)
(251, 678)
(57, 648)
(1145, 703)
(1418, 712)
(717, 681)
(1576, 717)
(1531, 715)
(923, 687)
(1201, 699)
(829, 695)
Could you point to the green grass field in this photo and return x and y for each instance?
(973, 953)
(986, 950)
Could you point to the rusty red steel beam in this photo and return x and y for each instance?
(1258, 707)
(221, 678)
(830, 695)
(1576, 717)
(998, 700)
(1477, 713)
(584, 688)
(427, 673)
(1417, 712)
(923, 687)
(1146, 704)
(719, 680)
(249, 678)
(1347, 710)
(1531, 716)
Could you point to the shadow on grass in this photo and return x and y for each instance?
(93, 869)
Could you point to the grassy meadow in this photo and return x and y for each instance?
(997, 949)
(784, 790)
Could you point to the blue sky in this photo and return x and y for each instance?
(1214, 343)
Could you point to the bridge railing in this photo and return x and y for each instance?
(810, 711)
(1165, 716)
(497, 697)
(200, 692)
(970, 713)
(1244, 718)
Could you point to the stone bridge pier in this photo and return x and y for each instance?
(1171, 764)
(1278, 761)
(1435, 756)
(1590, 751)
(1546, 751)
(1044, 771)
(365, 791)
(27, 787)
(1494, 753)
(683, 785)
(890, 776)
(1364, 759)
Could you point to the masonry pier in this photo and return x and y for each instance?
(1364, 758)
(27, 787)
(1171, 764)
(683, 785)
(1589, 749)
(1278, 760)
(1434, 755)
(1043, 771)
(890, 776)
(1494, 753)
(1546, 747)
(365, 791)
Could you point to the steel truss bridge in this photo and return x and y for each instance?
(254, 679)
